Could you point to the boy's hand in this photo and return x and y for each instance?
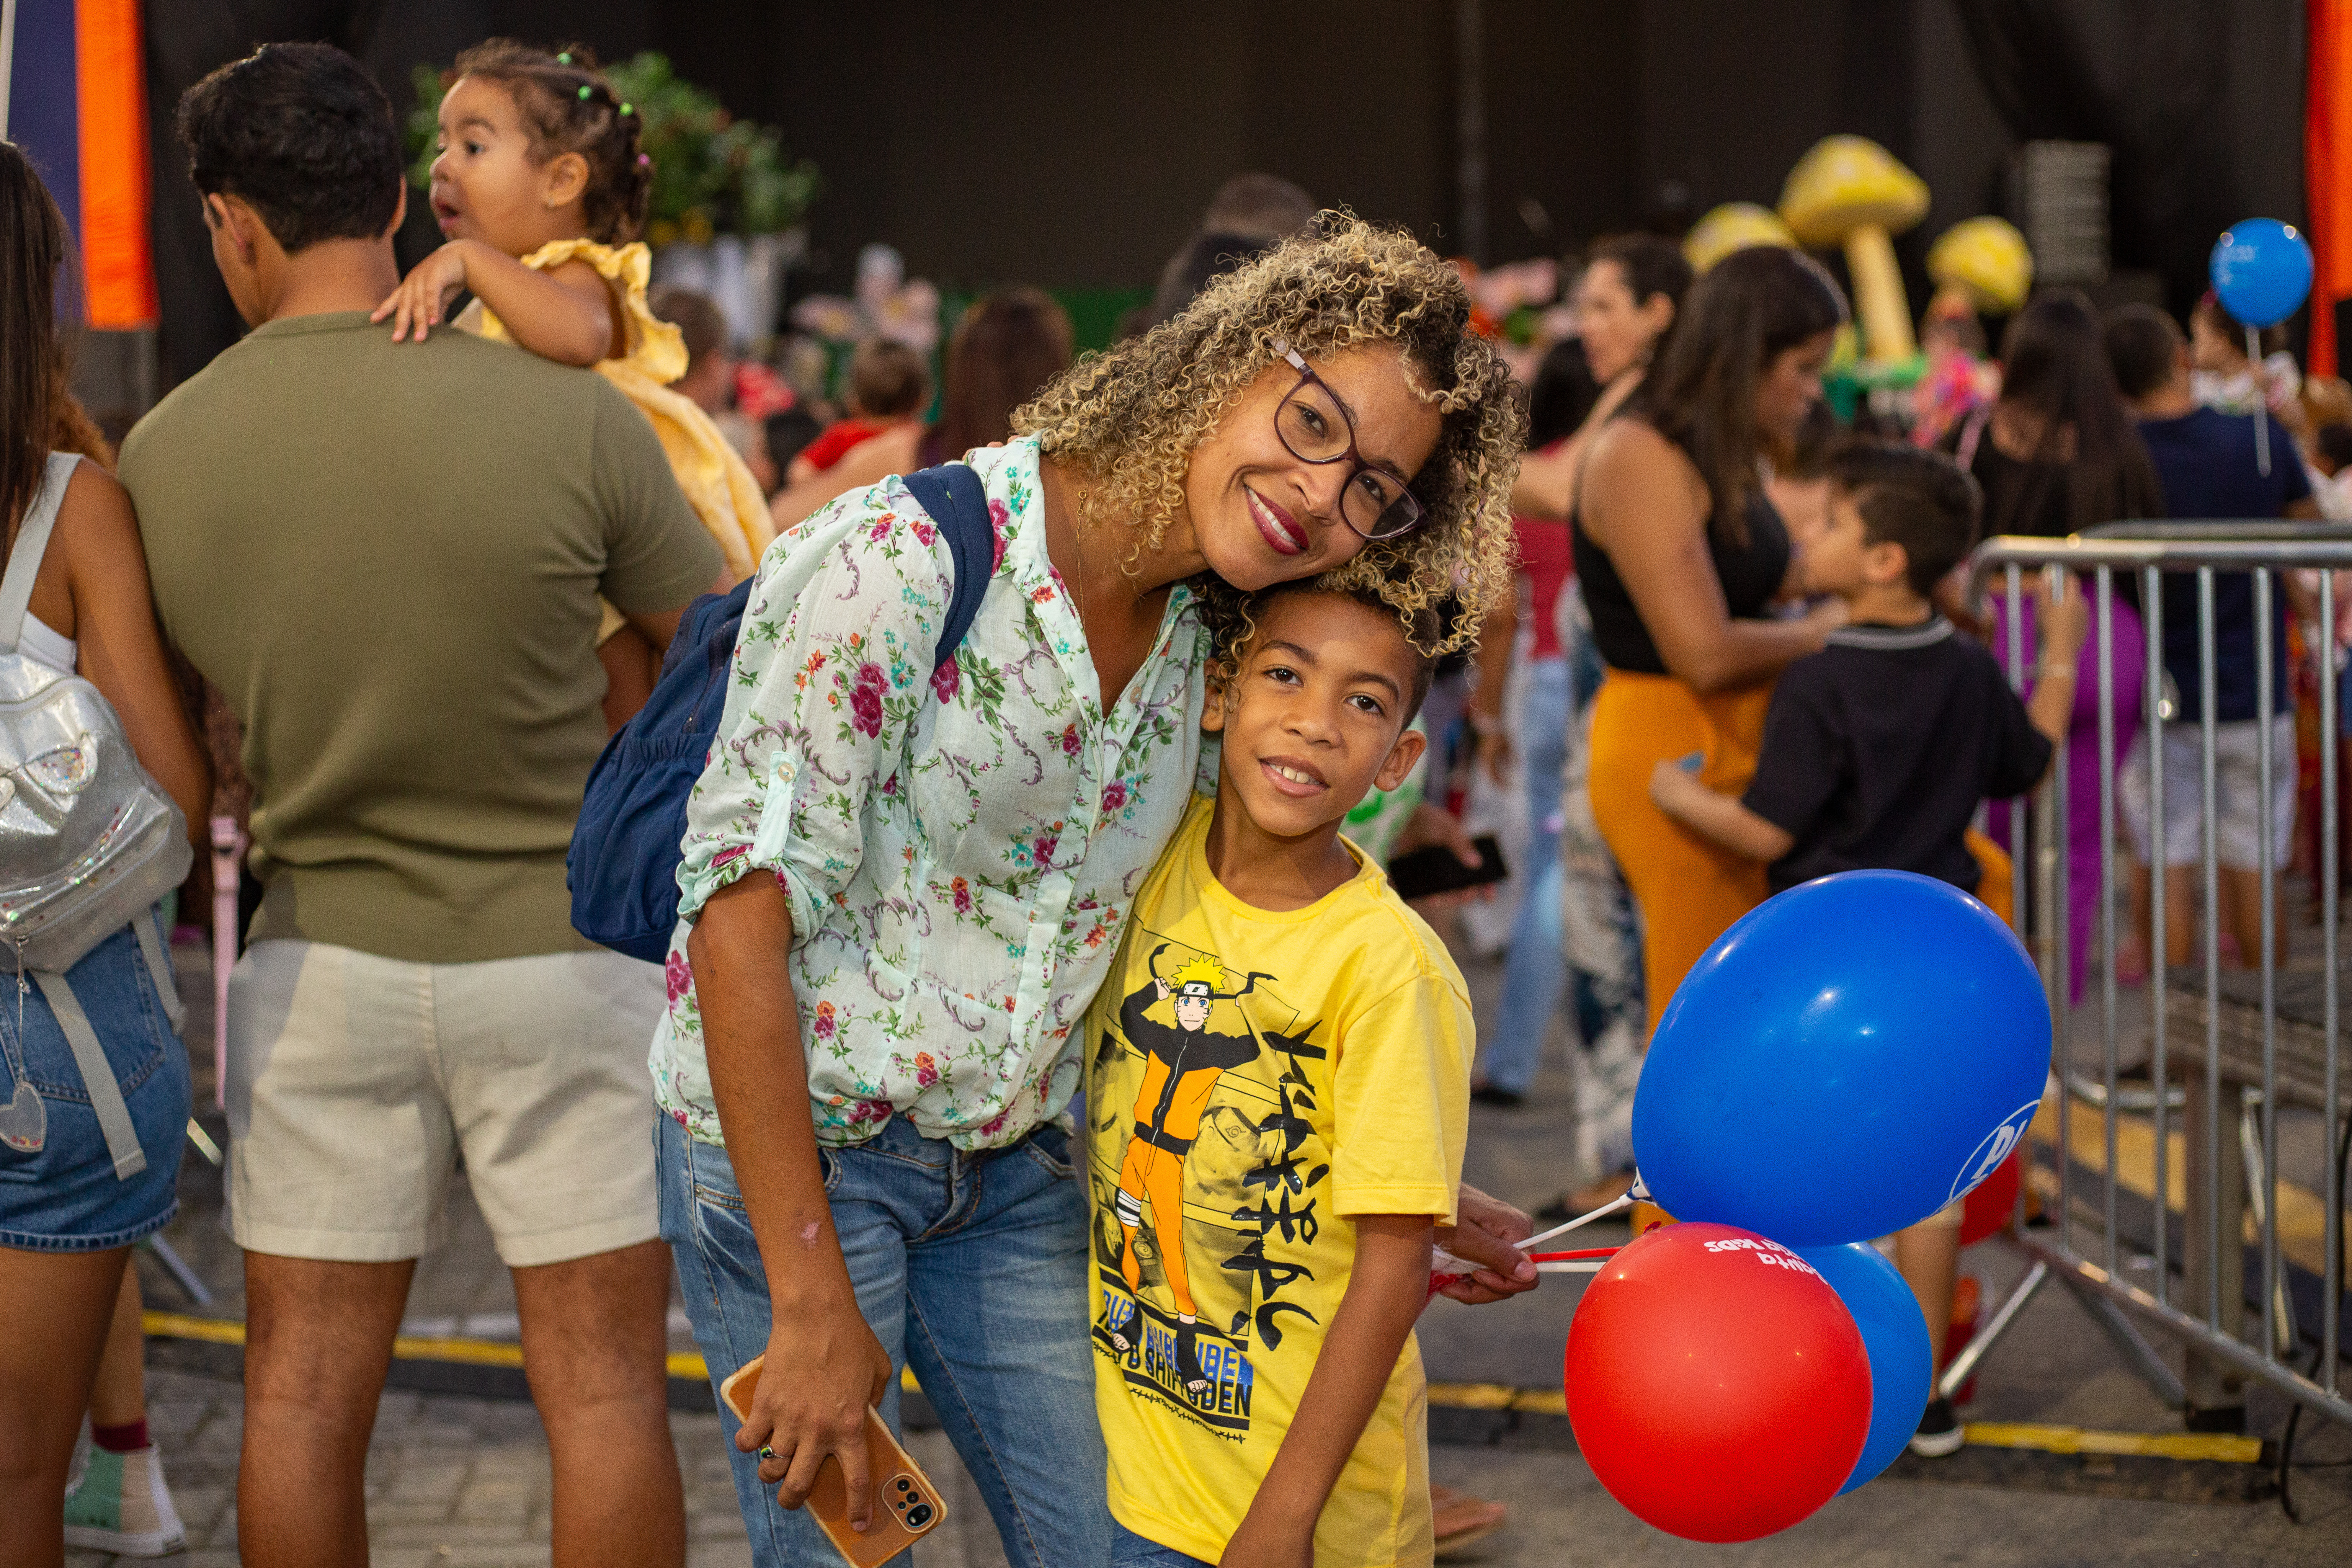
(429, 286)
(1488, 1233)
(2061, 617)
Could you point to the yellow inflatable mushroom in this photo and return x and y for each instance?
(1734, 225)
(1983, 262)
(1851, 191)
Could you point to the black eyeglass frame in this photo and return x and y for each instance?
(1407, 501)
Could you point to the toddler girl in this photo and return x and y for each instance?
(540, 185)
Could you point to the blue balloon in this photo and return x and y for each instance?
(1848, 1059)
(2260, 270)
(1895, 1335)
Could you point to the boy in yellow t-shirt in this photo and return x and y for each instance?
(1277, 1094)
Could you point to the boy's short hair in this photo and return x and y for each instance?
(1422, 630)
(699, 322)
(2143, 345)
(302, 135)
(1920, 499)
(888, 380)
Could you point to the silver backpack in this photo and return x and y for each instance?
(88, 841)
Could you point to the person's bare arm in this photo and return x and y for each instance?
(1718, 818)
(1387, 1288)
(2062, 623)
(565, 313)
(94, 587)
(831, 1367)
(872, 460)
(1644, 505)
(1546, 483)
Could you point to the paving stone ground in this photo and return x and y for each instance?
(456, 1481)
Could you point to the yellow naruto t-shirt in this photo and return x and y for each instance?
(1255, 1079)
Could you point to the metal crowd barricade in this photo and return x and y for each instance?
(2223, 1036)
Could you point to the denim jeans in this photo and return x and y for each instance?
(1534, 976)
(1133, 1551)
(970, 1268)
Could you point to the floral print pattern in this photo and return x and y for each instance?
(960, 846)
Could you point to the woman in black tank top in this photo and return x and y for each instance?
(1679, 553)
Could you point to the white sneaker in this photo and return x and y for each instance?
(120, 1504)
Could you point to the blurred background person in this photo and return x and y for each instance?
(2055, 454)
(1248, 215)
(1681, 555)
(889, 386)
(1626, 301)
(1008, 345)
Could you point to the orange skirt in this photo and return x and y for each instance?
(1688, 890)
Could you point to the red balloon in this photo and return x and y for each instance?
(1718, 1386)
(1990, 1203)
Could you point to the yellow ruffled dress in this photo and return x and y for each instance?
(713, 476)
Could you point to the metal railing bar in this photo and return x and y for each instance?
(2265, 817)
(2294, 1385)
(2159, 939)
(2333, 1203)
(2107, 628)
(2211, 866)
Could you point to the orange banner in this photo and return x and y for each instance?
(110, 80)
(2327, 172)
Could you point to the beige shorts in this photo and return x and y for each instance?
(356, 1082)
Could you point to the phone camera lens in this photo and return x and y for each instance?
(918, 1516)
(905, 1485)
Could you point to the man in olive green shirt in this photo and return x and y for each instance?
(387, 556)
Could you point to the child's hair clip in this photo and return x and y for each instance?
(584, 90)
(628, 109)
(644, 161)
(564, 58)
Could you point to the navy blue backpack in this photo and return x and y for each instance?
(623, 865)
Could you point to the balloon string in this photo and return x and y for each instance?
(1566, 1256)
(1604, 1212)
(2261, 403)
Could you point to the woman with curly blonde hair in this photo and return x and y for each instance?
(869, 1044)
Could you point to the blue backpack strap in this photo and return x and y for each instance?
(958, 504)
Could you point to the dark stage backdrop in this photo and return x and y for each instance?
(1073, 145)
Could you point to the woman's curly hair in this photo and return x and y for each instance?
(1132, 418)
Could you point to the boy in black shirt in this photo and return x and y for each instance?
(1878, 749)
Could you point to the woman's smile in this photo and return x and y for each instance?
(1282, 530)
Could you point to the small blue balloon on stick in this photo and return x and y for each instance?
(1902, 1366)
(2261, 272)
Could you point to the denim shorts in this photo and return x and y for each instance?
(65, 1195)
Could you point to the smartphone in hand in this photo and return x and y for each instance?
(907, 1507)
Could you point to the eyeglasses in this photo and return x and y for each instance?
(1314, 428)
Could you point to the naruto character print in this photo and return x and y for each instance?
(1221, 1167)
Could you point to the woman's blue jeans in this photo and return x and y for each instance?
(971, 1269)
(1534, 976)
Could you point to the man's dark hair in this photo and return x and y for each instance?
(2143, 344)
(2335, 443)
(302, 135)
(1920, 499)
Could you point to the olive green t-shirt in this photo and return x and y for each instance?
(387, 557)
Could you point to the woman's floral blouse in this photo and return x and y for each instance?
(958, 844)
